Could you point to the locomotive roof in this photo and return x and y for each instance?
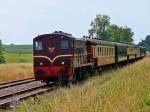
(57, 33)
(104, 42)
(99, 41)
(140, 46)
(63, 33)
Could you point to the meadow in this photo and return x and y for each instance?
(124, 90)
(18, 48)
(18, 64)
(15, 71)
(18, 58)
(18, 53)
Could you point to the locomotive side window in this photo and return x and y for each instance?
(38, 45)
(64, 44)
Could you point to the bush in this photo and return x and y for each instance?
(2, 59)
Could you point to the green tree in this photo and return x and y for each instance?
(127, 35)
(146, 43)
(142, 42)
(114, 33)
(2, 59)
(99, 27)
(120, 34)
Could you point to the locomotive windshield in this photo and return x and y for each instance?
(64, 44)
(38, 45)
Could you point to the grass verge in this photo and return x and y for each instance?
(127, 90)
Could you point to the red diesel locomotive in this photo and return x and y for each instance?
(61, 57)
(57, 56)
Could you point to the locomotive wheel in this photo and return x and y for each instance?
(73, 79)
(60, 80)
(47, 82)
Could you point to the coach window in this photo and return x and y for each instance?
(102, 51)
(111, 51)
(38, 45)
(93, 51)
(107, 51)
(98, 51)
(64, 44)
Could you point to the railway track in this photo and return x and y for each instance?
(15, 83)
(12, 92)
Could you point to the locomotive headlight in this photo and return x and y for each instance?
(62, 63)
(41, 63)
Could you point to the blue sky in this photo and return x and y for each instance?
(22, 20)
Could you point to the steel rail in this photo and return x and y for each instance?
(15, 83)
(7, 101)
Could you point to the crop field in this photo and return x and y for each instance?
(15, 71)
(18, 48)
(18, 53)
(124, 90)
(17, 57)
(18, 63)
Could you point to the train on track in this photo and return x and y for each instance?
(61, 57)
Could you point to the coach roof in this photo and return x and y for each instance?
(102, 42)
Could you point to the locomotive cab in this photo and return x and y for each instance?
(52, 56)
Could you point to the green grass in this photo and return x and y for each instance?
(16, 58)
(16, 53)
(18, 48)
(124, 90)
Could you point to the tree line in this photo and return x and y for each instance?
(101, 28)
(146, 43)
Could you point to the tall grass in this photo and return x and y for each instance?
(10, 72)
(124, 90)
